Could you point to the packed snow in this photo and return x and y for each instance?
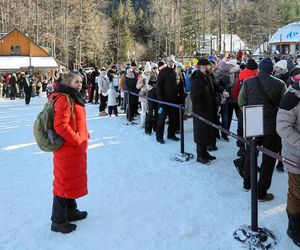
(139, 199)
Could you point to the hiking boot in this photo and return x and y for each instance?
(267, 197)
(238, 163)
(293, 228)
(75, 215)
(295, 236)
(64, 227)
(210, 157)
(174, 138)
(203, 160)
(279, 167)
(246, 186)
(161, 141)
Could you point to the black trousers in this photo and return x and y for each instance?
(201, 151)
(240, 130)
(232, 106)
(151, 117)
(132, 107)
(160, 126)
(103, 100)
(271, 142)
(27, 97)
(61, 207)
(112, 109)
(94, 91)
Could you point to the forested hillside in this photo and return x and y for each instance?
(96, 31)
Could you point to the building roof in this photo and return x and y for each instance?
(9, 63)
(287, 34)
(4, 35)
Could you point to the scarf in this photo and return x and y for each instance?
(73, 93)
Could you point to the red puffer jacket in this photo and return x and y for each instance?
(243, 76)
(70, 161)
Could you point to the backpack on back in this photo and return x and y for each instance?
(46, 137)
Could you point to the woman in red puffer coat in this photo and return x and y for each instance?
(70, 161)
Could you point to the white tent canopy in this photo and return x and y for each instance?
(287, 34)
(10, 63)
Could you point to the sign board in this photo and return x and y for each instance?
(253, 120)
(30, 70)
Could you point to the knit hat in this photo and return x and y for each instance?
(212, 62)
(147, 67)
(251, 64)
(203, 61)
(171, 58)
(295, 71)
(281, 64)
(266, 65)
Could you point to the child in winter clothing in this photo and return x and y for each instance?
(112, 99)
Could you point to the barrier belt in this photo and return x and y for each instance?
(237, 137)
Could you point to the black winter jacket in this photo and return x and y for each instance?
(170, 86)
(251, 94)
(204, 104)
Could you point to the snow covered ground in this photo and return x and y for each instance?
(138, 198)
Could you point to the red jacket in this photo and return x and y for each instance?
(243, 76)
(70, 161)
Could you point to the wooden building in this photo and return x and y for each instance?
(18, 52)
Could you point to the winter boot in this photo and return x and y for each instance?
(239, 163)
(294, 228)
(102, 113)
(63, 227)
(74, 215)
(241, 152)
(267, 197)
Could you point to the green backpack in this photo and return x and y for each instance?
(46, 137)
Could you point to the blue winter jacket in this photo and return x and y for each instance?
(187, 79)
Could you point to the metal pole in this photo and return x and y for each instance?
(181, 117)
(128, 107)
(253, 165)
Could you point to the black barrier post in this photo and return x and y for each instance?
(253, 164)
(254, 237)
(182, 156)
(181, 117)
(127, 110)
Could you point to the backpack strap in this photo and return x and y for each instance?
(70, 105)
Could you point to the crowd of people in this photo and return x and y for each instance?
(214, 88)
(22, 85)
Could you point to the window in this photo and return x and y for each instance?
(15, 50)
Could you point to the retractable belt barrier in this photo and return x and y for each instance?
(251, 237)
(237, 137)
